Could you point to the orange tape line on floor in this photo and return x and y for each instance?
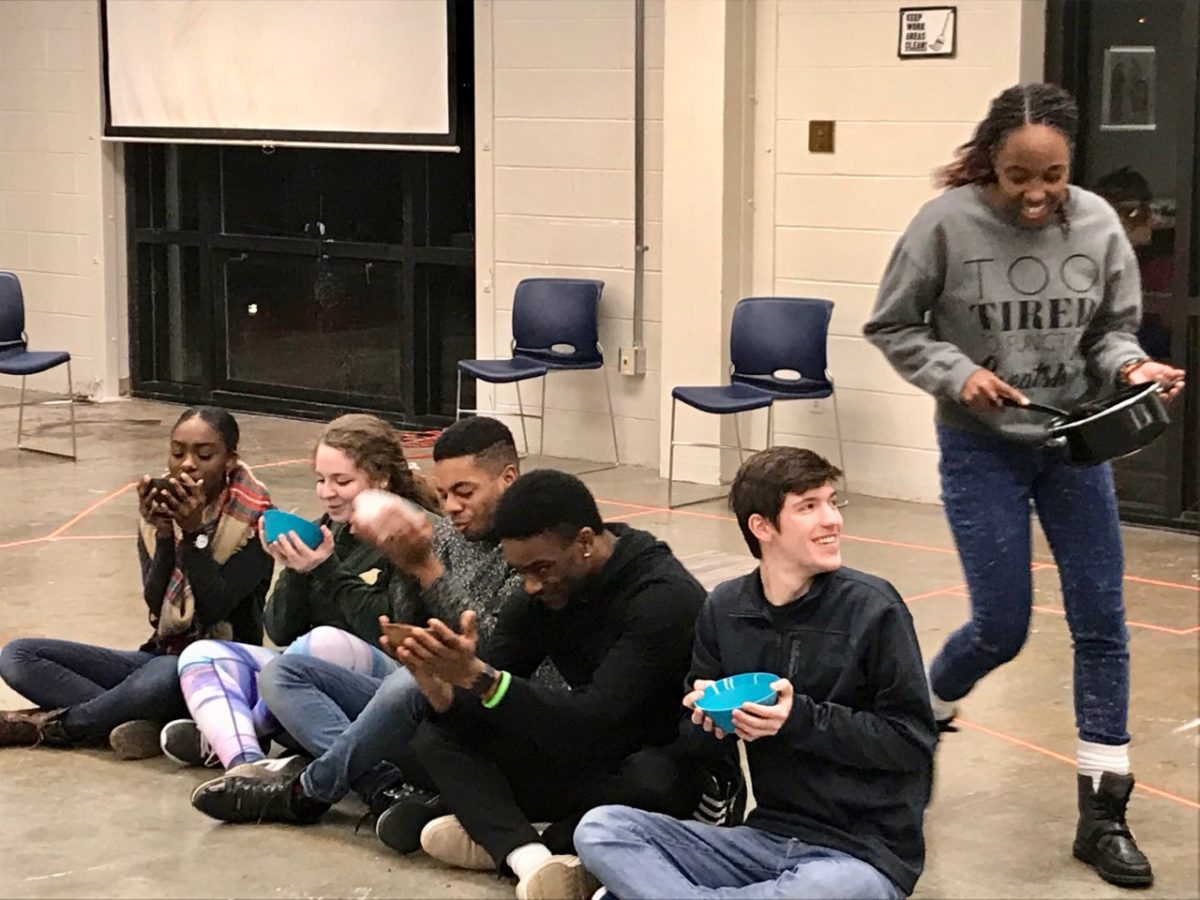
(1027, 745)
(91, 509)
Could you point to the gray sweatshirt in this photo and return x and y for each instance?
(1052, 314)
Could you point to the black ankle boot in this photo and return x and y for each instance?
(1103, 840)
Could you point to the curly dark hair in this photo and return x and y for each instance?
(546, 501)
(488, 440)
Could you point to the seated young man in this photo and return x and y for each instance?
(356, 726)
(841, 765)
(615, 611)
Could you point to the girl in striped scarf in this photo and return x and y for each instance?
(204, 574)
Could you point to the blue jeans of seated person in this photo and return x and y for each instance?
(355, 726)
(649, 855)
(987, 486)
(100, 688)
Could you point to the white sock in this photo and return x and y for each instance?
(526, 858)
(1096, 759)
(942, 709)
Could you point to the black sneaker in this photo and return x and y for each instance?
(723, 801)
(183, 742)
(401, 812)
(234, 798)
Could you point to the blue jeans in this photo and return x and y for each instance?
(100, 688)
(987, 486)
(355, 726)
(649, 855)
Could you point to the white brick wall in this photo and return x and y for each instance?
(52, 198)
(833, 218)
(554, 164)
(555, 100)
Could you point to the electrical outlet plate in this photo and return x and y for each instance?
(632, 361)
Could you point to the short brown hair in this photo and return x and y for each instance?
(765, 479)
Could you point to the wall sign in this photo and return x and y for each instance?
(928, 31)
(1128, 102)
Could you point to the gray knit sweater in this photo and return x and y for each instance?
(477, 578)
(1053, 312)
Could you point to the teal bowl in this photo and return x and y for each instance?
(722, 697)
(276, 522)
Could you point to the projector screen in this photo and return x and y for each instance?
(356, 71)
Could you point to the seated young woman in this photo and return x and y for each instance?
(204, 575)
(326, 603)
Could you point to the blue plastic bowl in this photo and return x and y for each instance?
(722, 697)
(276, 522)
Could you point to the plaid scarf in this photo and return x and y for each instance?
(239, 507)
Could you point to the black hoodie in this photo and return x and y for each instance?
(852, 767)
(623, 645)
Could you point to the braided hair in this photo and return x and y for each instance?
(1016, 107)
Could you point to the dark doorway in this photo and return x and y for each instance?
(306, 281)
(1134, 65)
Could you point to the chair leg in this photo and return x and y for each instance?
(671, 459)
(612, 418)
(521, 413)
(458, 398)
(71, 404)
(770, 427)
(837, 424)
(74, 454)
(542, 420)
(21, 412)
(737, 433)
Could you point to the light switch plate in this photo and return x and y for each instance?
(820, 136)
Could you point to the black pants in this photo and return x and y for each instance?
(497, 784)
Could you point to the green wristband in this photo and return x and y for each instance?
(501, 690)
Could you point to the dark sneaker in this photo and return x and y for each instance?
(30, 727)
(400, 814)
(136, 739)
(18, 728)
(723, 801)
(1103, 839)
(277, 798)
(184, 743)
(283, 767)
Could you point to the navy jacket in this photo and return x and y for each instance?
(852, 767)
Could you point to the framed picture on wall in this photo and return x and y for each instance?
(1128, 101)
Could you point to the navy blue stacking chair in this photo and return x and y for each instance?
(17, 359)
(556, 327)
(777, 352)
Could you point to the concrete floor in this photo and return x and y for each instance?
(76, 824)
